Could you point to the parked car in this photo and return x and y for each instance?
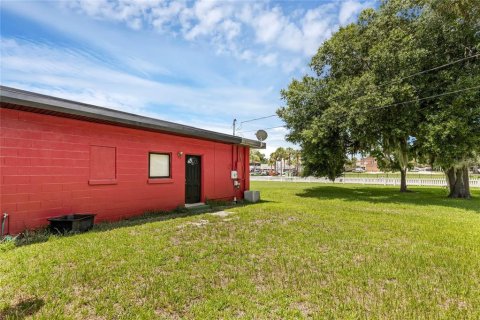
(358, 170)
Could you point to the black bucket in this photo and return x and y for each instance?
(72, 223)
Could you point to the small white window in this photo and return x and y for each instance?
(159, 165)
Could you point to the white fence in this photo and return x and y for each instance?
(440, 182)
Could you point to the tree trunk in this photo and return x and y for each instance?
(466, 180)
(403, 180)
(402, 155)
(450, 173)
(458, 183)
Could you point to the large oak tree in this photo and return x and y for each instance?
(367, 90)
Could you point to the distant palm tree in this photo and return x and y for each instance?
(289, 153)
(254, 158)
(280, 155)
(297, 160)
(273, 161)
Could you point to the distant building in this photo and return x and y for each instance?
(369, 164)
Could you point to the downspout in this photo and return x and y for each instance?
(233, 169)
(241, 163)
(246, 164)
(4, 218)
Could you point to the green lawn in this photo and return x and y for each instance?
(308, 250)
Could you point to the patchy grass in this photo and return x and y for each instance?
(307, 250)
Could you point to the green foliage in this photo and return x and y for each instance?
(257, 156)
(6, 245)
(451, 131)
(285, 156)
(355, 100)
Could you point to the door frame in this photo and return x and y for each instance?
(202, 175)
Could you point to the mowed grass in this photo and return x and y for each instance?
(306, 251)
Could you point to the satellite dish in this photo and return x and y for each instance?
(262, 135)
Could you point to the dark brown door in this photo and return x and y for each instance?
(193, 175)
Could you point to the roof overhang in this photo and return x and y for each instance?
(35, 102)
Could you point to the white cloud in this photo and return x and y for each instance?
(246, 55)
(247, 30)
(170, 70)
(76, 75)
(164, 16)
(350, 9)
(207, 14)
(267, 60)
(268, 25)
(231, 29)
(317, 25)
(290, 65)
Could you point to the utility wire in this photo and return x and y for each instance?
(424, 98)
(391, 82)
(270, 116)
(397, 104)
(263, 129)
(410, 101)
(411, 75)
(241, 123)
(432, 69)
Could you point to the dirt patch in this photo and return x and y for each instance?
(454, 303)
(305, 308)
(221, 214)
(199, 223)
(164, 314)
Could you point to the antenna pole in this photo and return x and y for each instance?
(234, 123)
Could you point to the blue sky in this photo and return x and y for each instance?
(200, 63)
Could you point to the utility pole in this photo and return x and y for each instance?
(234, 123)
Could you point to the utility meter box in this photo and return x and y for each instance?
(252, 196)
(234, 174)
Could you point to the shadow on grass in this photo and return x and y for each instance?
(421, 196)
(23, 309)
(43, 235)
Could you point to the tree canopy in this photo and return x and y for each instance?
(257, 157)
(402, 82)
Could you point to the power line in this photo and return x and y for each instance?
(413, 74)
(413, 100)
(263, 129)
(391, 82)
(425, 98)
(396, 104)
(432, 69)
(270, 116)
(241, 123)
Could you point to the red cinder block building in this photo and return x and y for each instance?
(60, 157)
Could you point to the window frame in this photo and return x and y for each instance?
(169, 154)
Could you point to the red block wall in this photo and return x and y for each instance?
(46, 169)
